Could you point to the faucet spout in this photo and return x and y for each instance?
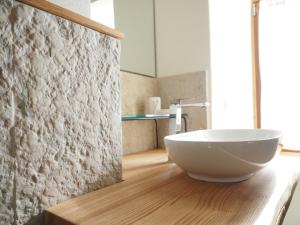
(200, 104)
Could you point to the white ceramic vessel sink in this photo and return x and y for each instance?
(223, 155)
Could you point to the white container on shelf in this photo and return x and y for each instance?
(153, 105)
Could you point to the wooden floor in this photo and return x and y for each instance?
(157, 192)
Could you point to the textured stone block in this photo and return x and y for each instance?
(60, 111)
(7, 163)
(7, 186)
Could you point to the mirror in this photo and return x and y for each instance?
(135, 18)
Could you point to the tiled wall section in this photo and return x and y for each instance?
(135, 90)
(194, 87)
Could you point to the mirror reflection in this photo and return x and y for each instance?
(135, 18)
(167, 42)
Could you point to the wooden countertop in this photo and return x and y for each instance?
(158, 192)
(72, 16)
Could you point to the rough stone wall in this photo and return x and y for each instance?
(60, 128)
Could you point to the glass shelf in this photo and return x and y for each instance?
(149, 117)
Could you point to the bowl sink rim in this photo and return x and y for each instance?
(175, 137)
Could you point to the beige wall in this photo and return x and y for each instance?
(193, 88)
(140, 135)
(135, 90)
(182, 36)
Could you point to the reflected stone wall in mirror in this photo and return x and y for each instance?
(135, 18)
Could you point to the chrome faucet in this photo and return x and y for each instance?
(178, 103)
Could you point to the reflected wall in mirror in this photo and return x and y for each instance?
(169, 42)
(135, 18)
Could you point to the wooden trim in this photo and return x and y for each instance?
(255, 64)
(72, 16)
(296, 152)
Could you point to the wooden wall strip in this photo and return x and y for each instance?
(255, 64)
(72, 16)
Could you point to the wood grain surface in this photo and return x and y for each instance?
(158, 192)
(72, 16)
